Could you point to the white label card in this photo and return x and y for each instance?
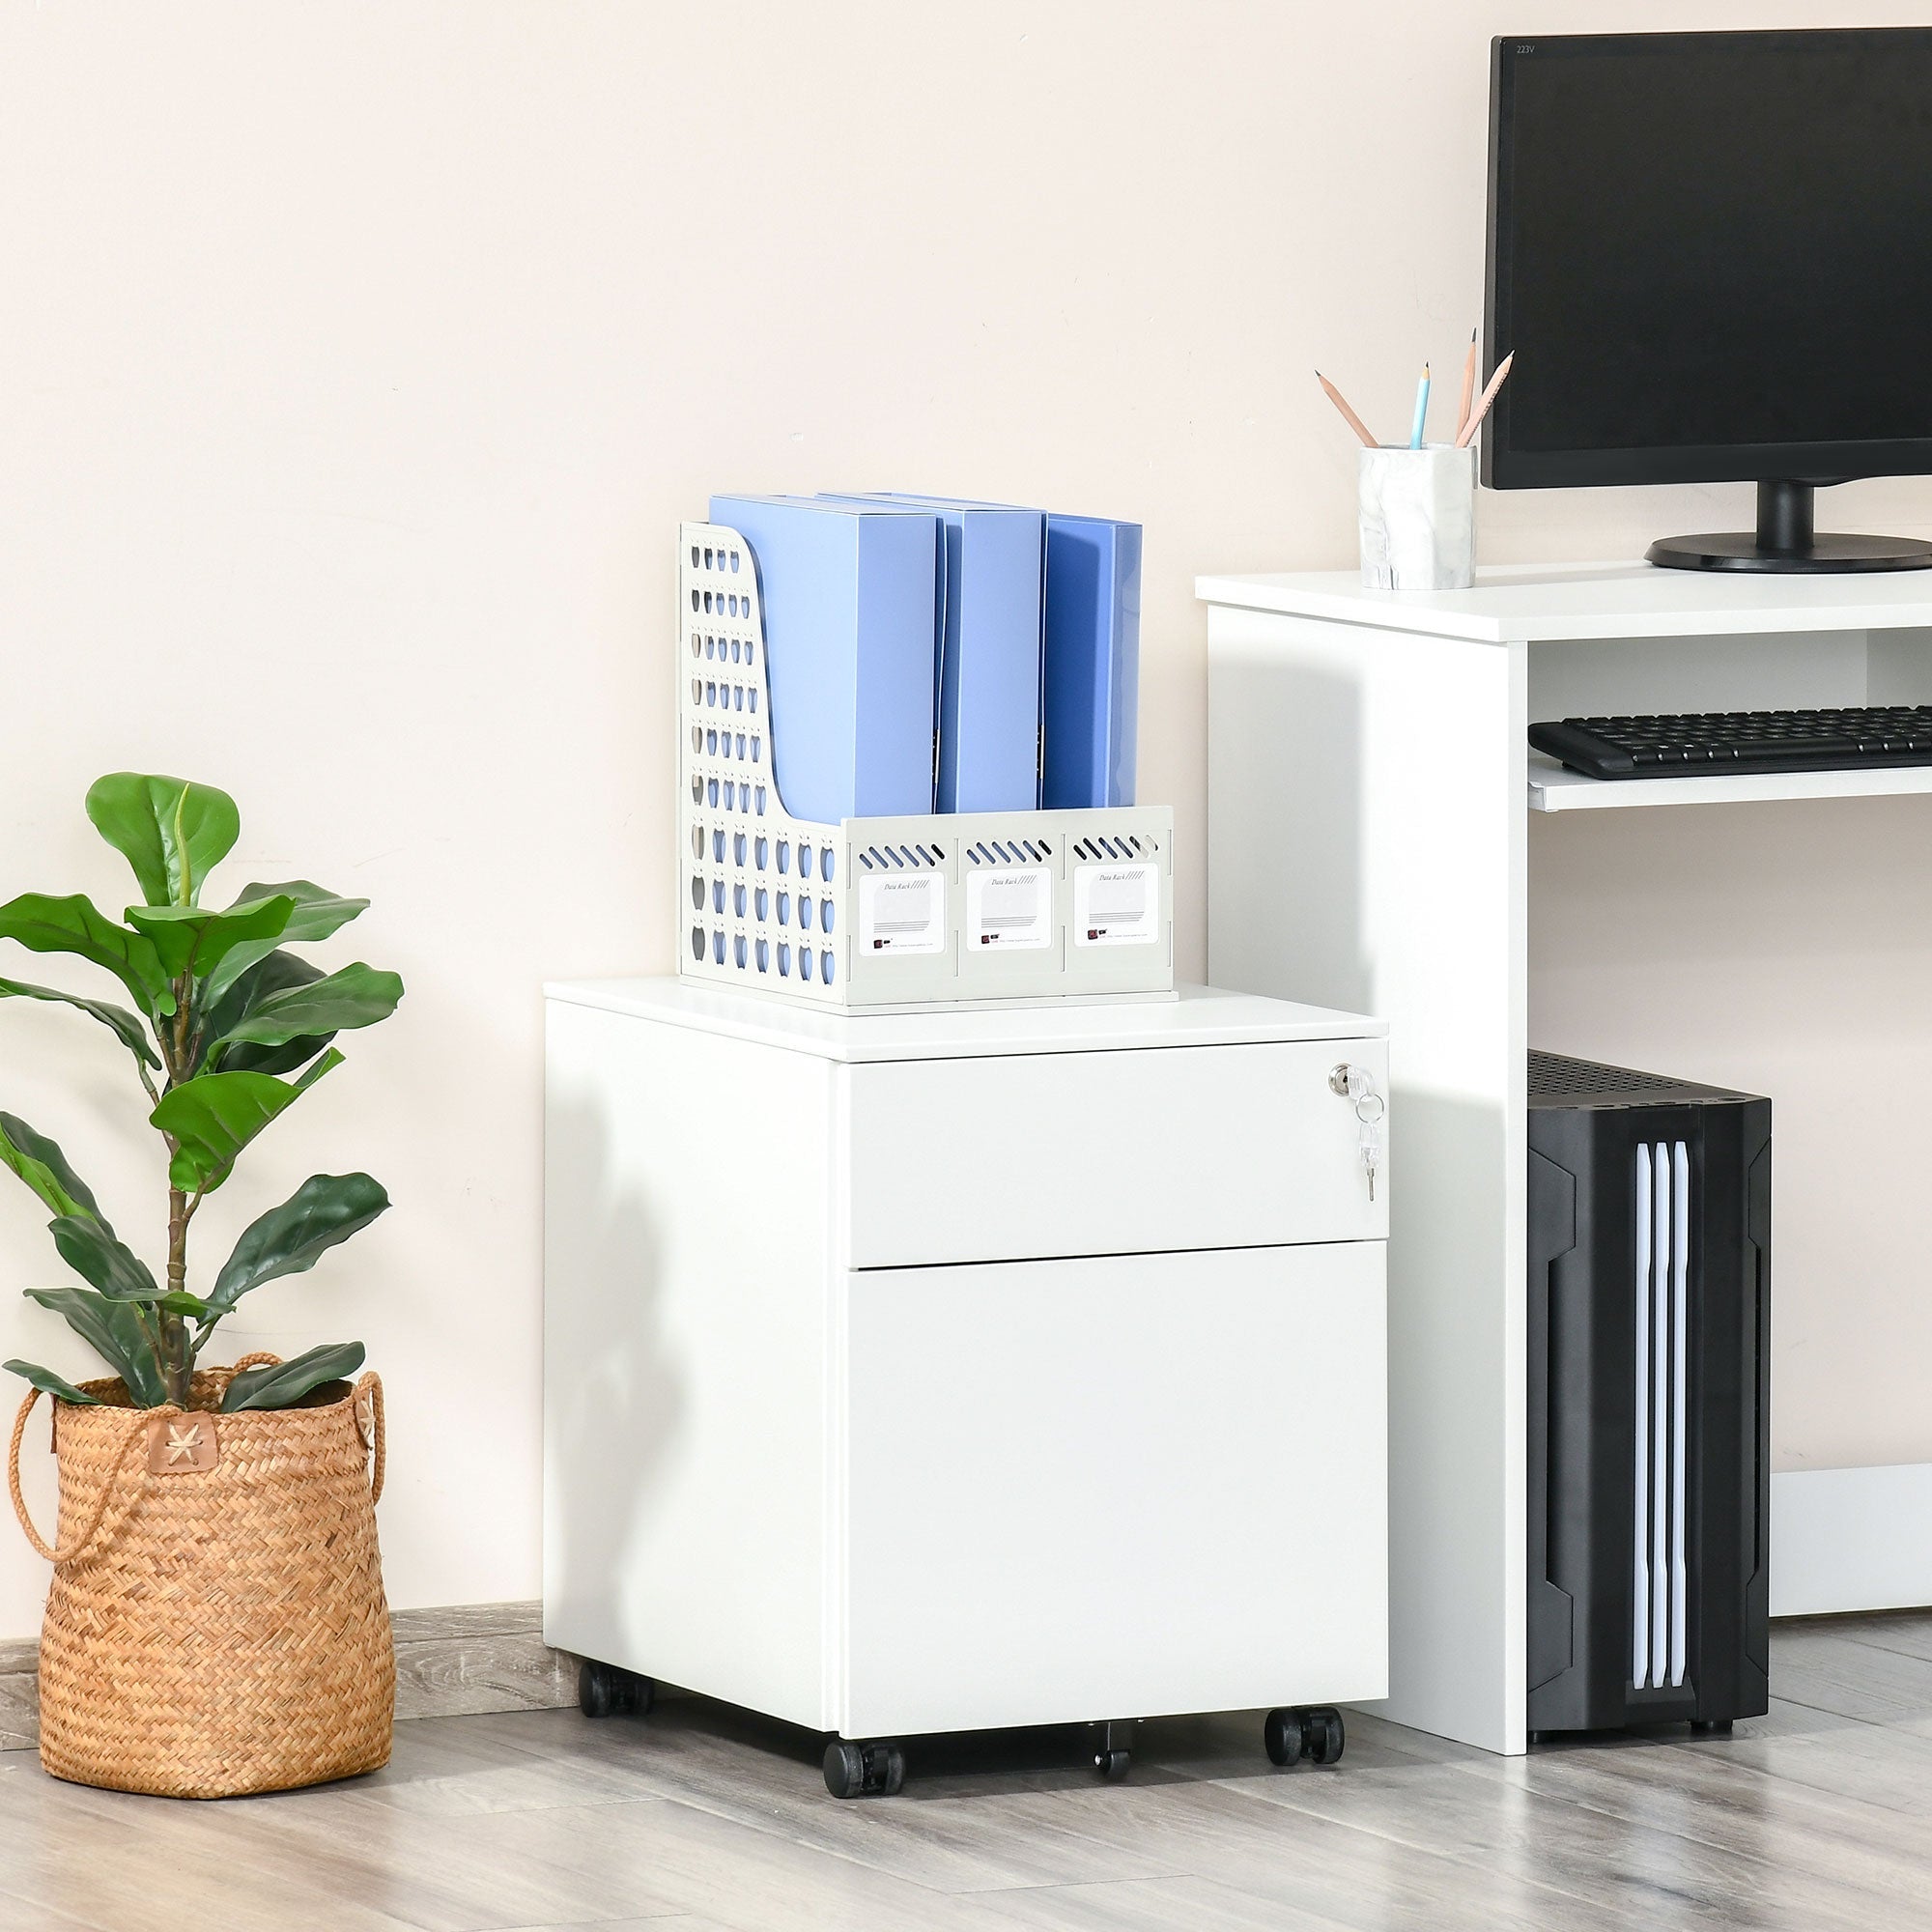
(1115, 906)
(1008, 908)
(902, 912)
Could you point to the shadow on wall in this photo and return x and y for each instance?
(1285, 856)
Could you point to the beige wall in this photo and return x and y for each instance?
(356, 360)
(1785, 949)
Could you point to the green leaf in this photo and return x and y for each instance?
(215, 1116)
(112, 1329)
(275, 1058)
(133, 1033)
(278, 1385)
(281, 972)
(93, 1253)
(354, 995)
(192, 941)
(181, 1302)
(49, 1384)
(76, 925)
(40, 1164)
(319, 912)
(290, 1240)
(171, 831)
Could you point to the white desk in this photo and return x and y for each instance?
(1347, 864)
(964, 1369)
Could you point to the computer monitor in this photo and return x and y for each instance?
(1711, 256)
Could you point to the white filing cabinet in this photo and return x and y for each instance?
(944, 1371)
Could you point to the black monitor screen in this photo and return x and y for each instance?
(1708, 249)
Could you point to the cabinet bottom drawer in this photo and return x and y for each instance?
(1113, 1487)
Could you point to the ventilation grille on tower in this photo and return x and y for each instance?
(1659, 1599)
(1555, 1076)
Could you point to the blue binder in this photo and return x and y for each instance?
(850, 599)
(989, 711)
(887, 505)
(1092, 662)
(1090, 671)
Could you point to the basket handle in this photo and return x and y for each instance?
(375, 1439)
(85, 1542)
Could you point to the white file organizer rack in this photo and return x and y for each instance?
(880, 914)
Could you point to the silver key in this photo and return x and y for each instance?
(1370, 1108)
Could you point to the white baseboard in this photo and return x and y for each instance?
(1851, 1540)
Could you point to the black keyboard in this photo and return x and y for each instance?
(1685, 745)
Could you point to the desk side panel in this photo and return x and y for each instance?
(687, 1281)
(1366, 847)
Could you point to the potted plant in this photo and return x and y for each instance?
(216, 1622)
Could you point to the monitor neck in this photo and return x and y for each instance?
(1785, 520)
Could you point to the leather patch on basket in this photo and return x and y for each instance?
(180, 1442)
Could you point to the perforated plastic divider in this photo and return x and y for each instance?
(939, 908)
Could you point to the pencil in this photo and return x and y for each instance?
(1348, 415)
(1483, 401)
(1421, 409)
(1342, 403)
(1468, 386)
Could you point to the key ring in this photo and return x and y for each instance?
(1363, 1105)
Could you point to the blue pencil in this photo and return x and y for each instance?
(1421, 409)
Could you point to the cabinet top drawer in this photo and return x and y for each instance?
(1028, 1157)
(1197, 1016)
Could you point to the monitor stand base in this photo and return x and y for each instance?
(1740, 549)
(1784, 540)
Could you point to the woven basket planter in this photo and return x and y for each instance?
(216, 1622)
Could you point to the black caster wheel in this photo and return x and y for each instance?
(1112, 1765)
(1286, 1736)
(606, 1690)
(863, 1771)
(1710, 1727)
(1325, 1736)
(596, 1688)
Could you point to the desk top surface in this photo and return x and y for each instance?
(1201, 1016)
(1546, 602)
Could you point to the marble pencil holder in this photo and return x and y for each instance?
(1418, 509)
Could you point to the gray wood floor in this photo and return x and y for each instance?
(1819, 1816)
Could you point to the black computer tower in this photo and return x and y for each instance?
(1649, 1399)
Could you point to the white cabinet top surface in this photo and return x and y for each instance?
(1201, 1016)
(1536, 602)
